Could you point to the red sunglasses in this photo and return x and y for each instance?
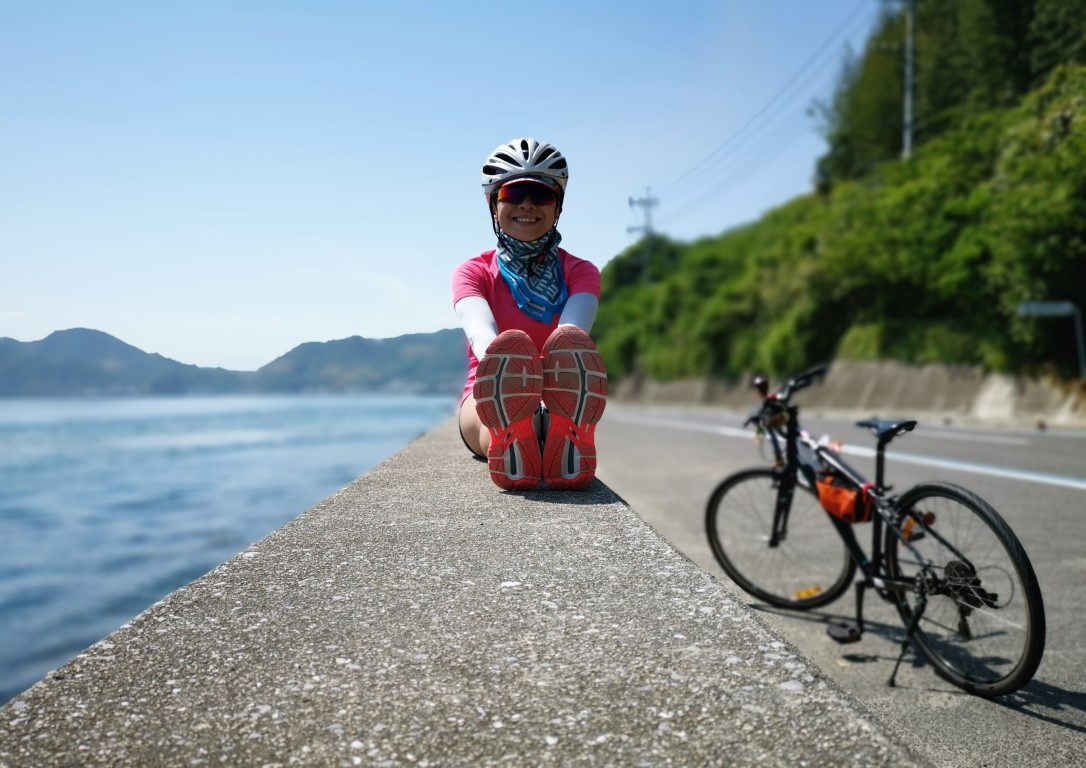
(515, 194)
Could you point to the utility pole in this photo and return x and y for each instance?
(910, 42)
(646, 203)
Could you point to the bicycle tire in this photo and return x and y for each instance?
(811, 567)
(985, 631)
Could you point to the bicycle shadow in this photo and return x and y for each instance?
(1041, 695)
(894, 633)
(1037, 699)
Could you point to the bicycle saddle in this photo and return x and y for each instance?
(886, 431)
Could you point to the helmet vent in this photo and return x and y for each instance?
(525, 157)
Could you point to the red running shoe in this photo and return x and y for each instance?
(508, 387)
(575, 393)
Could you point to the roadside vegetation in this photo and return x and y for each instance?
(923, 260)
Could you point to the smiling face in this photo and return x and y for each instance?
(526, 220)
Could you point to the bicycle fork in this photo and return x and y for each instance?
(785, 490)
(786, 480)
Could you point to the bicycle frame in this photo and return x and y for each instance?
(910, 560)
(792, 471)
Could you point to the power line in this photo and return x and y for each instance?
(722, 169)
(739, 170)
(712, 179)
(773, 99)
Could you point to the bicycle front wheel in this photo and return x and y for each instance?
(809, 567)
(983, 625)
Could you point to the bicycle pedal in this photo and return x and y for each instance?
(844, 632)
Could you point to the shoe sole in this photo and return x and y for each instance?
(508, 388)
(575, 393)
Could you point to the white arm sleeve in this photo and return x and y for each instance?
(478, 323)
(580, 310)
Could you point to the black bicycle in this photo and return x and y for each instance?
(952, 567)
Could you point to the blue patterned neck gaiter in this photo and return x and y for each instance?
(534, 274)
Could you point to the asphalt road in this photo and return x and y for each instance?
(666, 461)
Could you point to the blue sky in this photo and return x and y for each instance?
(219, 182)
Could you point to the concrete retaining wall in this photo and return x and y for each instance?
(423, 617)
(935, 393)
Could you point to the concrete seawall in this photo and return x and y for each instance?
(931, 393)
(423, 617)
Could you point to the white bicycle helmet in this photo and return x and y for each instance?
(524, 157)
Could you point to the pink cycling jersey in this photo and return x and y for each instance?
(479, 276)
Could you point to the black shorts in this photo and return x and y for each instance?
(473, 453)
(541, 411)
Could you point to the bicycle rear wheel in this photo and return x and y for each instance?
(810, 567)
(983, 627)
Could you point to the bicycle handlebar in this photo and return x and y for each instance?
(779, 400)
(802, 381)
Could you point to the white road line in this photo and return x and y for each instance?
(855, 450)
(977, 469)
(972, 437)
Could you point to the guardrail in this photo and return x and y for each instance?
(421, 616)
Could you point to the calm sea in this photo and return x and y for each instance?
(107, 505)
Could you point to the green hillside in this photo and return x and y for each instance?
(409, 364)
(921, 261)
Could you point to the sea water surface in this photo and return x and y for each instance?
(108, 505)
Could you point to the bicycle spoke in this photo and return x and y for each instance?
(808, 567)
(982, 626)
(959, 577)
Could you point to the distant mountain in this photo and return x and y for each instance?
(81, 361)
(421, 362)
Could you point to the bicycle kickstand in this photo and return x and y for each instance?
(850, 631)
(914, 620)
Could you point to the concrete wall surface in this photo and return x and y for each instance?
(935, 393)
(423, 617)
